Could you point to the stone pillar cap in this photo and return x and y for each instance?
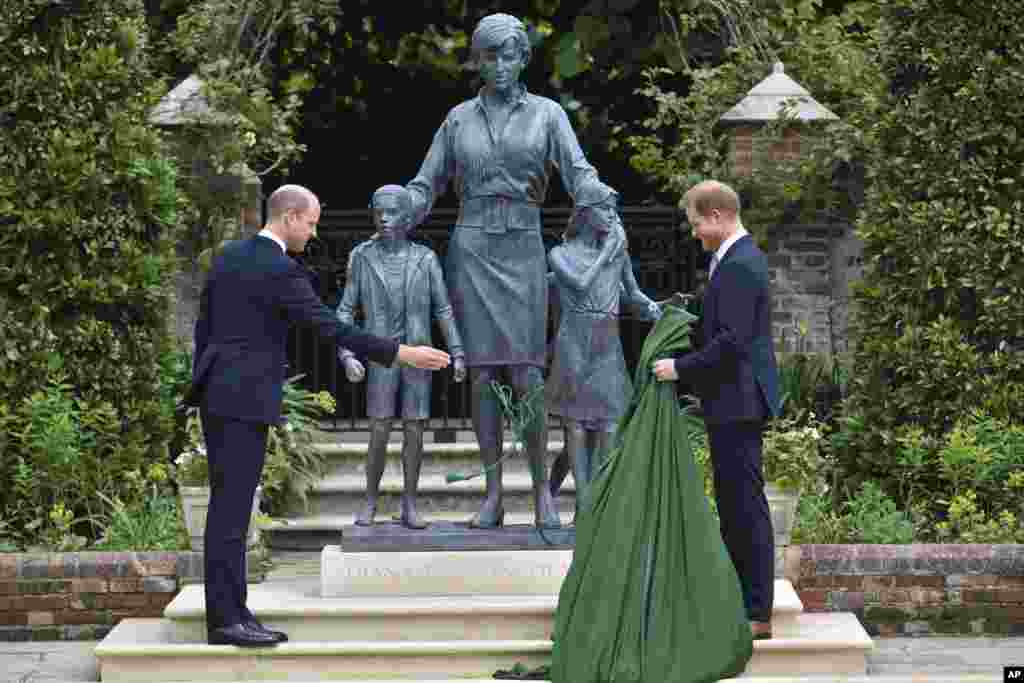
(766, 100)
(186, 104)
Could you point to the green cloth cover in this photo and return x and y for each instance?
(651, 595)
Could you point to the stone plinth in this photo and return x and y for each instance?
(493, 572)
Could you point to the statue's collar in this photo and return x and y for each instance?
(522, 99)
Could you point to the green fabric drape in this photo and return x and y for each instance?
(651, 595)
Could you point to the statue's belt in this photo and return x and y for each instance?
(497, 214)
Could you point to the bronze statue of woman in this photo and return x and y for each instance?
(498, 150)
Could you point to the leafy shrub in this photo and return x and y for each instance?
(818, 522)
(190, 465)
(968, 523)
(873, 517)
(293, 463)
(868, 517)
(791, 456)
(149, 519)
(89, 212)
(940, 311)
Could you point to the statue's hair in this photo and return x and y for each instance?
(708, 195)
(492, 31)
(403, 195)
(572, 228)
(288, 197)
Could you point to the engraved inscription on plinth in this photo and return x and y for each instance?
(478, 572)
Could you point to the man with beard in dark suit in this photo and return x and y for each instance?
(254, 292)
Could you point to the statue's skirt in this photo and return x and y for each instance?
(498, 289)
(588, 379)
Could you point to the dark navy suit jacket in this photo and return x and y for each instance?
(253, 294)
(734, 371)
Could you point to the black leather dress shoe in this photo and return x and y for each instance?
(254, 625)
(240, 636)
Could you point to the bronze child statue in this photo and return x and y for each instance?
(588, 385)
(398, 285)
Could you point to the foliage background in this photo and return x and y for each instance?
(928, 152)
(89, 211)
(940, 329)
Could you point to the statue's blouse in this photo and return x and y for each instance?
(500, 176)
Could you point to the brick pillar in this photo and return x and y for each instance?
(806, 290)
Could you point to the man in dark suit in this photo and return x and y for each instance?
(253, 293)
(736, 378)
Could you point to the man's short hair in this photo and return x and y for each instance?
(709, 195)
(288, 197)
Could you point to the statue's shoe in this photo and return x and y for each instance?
(415, 522)
(548, 523)
(546, 515)
(559, 471)
(477, 523)
(366, 517)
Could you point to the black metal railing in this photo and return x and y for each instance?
(665, 260)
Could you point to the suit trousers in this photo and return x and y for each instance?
(235, 452)
(746, 523)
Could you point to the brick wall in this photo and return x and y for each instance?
(914, 589)
(811, 269)
(81, 596)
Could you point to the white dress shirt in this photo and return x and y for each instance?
(266, 233)
(723, 249)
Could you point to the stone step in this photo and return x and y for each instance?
(818, 644)
(346, 495)
(136, 648)
(349, 457)
(297, 608)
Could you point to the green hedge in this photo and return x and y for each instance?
(940, 328)
(90, 214)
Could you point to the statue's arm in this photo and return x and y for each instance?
(635, 296)
(442, 308)
(437, 169)
(349, 300)
(568, 273)
(566, 152)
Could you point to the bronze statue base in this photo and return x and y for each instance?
(394, 537)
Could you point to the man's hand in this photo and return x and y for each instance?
(354, 370)
(665, 370)
(460, 368)
(423, 357)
